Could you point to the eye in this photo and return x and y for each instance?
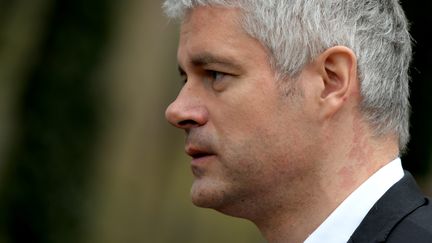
(218, 80)
(215, 75)
(183, 79)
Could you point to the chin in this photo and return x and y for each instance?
(208, 194)
(219, 197)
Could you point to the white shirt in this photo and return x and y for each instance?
(344, 220)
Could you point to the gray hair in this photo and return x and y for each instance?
(297, 31)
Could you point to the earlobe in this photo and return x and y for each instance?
(338, 68)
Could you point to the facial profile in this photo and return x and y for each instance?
(246, 139)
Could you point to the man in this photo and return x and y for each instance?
(295, 115)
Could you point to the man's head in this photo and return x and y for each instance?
(294, 32)
(283, 100)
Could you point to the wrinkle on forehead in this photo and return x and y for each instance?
(199, 44)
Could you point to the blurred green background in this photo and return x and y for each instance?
(85, 152)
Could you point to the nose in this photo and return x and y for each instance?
(187, 111)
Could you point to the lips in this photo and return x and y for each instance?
(197, 153)
(200, 157)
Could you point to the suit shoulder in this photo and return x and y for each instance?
(415, 227)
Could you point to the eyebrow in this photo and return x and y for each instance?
(204, 59)
(207, 58)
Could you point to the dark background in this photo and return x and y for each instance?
(56, 75)
(418, 157)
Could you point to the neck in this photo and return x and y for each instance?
(327, 188)
(293, 226)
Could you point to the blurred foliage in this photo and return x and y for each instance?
(44, 187)
(85, 152)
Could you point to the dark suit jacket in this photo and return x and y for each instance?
(403, 214)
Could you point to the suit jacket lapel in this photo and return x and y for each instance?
(400, 200)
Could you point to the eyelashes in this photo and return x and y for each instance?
(215, 75)
(210, 75)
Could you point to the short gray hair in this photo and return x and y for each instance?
(297, 31)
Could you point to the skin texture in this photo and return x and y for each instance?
(258, 153)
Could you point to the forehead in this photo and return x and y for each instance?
(218, 32)
(207, 26)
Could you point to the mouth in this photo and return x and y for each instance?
(198, 155)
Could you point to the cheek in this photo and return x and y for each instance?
(257, 130)
(267, 142)
(252, 151)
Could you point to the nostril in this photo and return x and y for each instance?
(187, 123)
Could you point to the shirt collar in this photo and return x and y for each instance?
(344, 220)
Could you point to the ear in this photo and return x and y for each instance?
(338, 70)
